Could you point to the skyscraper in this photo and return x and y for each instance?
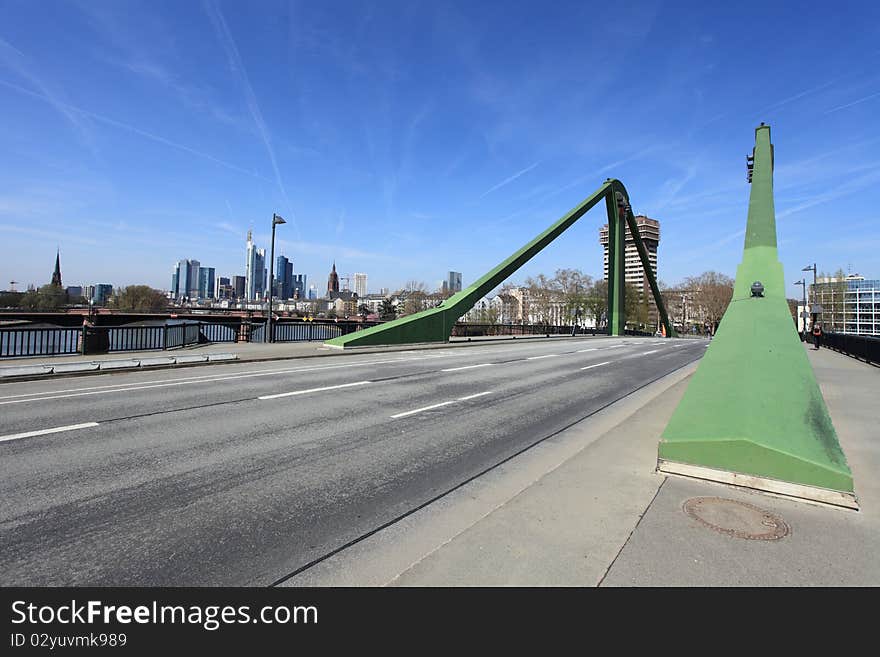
(360, 285)
(185, 279)
(649, 230)
(222, 288)
(453, 282)
(332, 281)
(255, 271)
(238, 287)
(206, 283)
(283, 278)
(299, 288)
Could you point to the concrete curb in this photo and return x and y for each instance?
(63, 370)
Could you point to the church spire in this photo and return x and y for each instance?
(56, 275)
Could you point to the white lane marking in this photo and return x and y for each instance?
(645, 353)
(479, 394)
(614, 346)
(419, 410)
(588, 367)
(586, 350)
(305, 392)
(125, 387)
(439, 405)
(467, 367)
(544, 356)
(43, 432)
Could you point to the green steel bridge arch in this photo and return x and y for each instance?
(435, 324)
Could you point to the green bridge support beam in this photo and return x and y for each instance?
(753, 414)
(435, 324)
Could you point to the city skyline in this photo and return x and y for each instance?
(244, 122)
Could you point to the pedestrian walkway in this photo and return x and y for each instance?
(587, 508)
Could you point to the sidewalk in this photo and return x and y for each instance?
(38, 367)
(587, 508)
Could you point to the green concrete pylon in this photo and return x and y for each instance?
(753, 414)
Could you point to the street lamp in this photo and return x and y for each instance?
(813, 295)
(803, 284)
(269, 336)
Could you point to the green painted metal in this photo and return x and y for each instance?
(616, 263)
(435, 324)
(753, 406)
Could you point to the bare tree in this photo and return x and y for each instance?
(711, 293)
(573, 286)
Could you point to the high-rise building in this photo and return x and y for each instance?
(453, 282)
(88, 292)
(56, 275)
(103, 292)
(255, 271)
(313, 292)
(332, 282)
(360, 285)
(222, 288)
(283, 278)
(238, 287)
(634, 273)
(298, 287)
(73, 291)
(206, 282)
(185, 279)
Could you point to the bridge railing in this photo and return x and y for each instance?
(52, 341)
(865, 347)
(39, 341)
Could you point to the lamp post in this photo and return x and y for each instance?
(268, 335)
(803, 284)
(813, 294)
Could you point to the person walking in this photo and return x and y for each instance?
(817, 336)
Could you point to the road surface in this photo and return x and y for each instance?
(245, 474)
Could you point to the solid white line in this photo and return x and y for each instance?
(305, 392)
(419, 410)
(479, 394)
(645, 353)
(545, 356)
(43, 432)
(467, 367)
(596, 365)
(586, 350)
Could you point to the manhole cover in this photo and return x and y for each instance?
(736, 518)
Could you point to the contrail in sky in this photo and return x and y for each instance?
(510, 180)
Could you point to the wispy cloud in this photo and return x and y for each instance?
(855, 102)
(798, 96)
(509, 180)
(237, 66)
(850, 187)
(15, 60)
(131, 128)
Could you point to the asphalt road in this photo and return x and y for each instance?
(243, 474)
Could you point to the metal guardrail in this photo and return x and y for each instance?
(50, 341)
(865, 347)
(27, 341)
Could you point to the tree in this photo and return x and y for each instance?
(139, 299)
(387, 310)
(574, 286)
(711, 293)
(46, 299)
(540, 292)
(596, 301)
(364, 310)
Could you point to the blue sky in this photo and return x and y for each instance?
(407, 139)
